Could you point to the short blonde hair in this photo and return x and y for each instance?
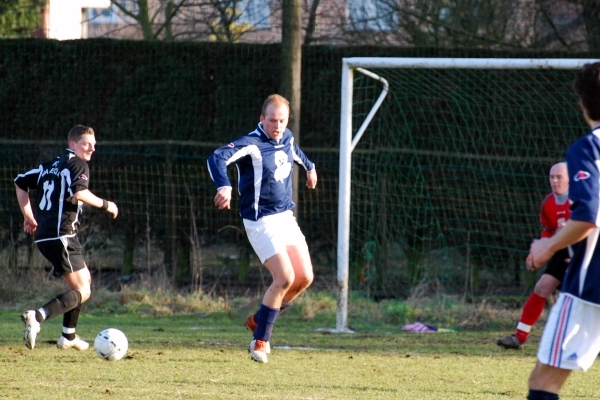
(77, 132)
(274, 99)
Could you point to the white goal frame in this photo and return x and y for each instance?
(348, 143)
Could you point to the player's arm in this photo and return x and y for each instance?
(546, 233)
(546, 222)
(89, 198)
(29, 223)
(311, 178)
(217, 168)
(23, 183)
(80, 192)
(542, 250)
(311, 171)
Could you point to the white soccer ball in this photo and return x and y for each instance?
(111, 344)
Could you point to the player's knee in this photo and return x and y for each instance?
(287, 283)
(285, 280)
(307, 279)
(544, 289)
(86, 292)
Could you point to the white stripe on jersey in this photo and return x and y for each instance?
(296, 158)
(590, 245)
(37, 170)
(597, 162)
(257, 166)
(61, 200)
(54, 238)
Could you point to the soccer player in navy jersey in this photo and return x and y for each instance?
(571, 338)
(264, 159)
(61, 188)
(554, 213)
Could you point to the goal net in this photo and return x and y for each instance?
(443, 166)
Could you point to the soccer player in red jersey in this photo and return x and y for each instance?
(554, 213)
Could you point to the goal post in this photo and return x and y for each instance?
(377, 70)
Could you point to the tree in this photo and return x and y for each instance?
(224, 26)
(591, 19)
(215, 20)
(312, 22)
(20, 18)
(154, 19)
(442, 23)
(291, 80)
(573, 25)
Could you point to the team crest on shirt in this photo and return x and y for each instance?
(83, 177)
(581, 175)
(283, 166)
(230, 144)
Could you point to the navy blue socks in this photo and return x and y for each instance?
(541, 395)
(265, 318)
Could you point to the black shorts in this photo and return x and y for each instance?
(557, 266)
(64, 253)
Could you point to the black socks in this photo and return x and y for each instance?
(541, 395)
(70, 319)
(62, 303)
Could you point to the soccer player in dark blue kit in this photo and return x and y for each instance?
(61, 189)
(571, 338)
(264, 159)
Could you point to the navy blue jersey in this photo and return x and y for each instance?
(55, 211)
(264, 171)
(583, 161)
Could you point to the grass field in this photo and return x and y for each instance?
(204, 356)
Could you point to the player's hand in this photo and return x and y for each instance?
(113, 209)
(30, 225)
(540, 253)
(311, 178)
(529, 263)
(223, 198)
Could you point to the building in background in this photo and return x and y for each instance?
(527, 24)
(66, 19)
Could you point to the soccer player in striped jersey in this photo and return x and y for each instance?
(571, 338)
(61, 188)
(264, 159)
(554, 213)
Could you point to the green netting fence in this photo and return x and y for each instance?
(448, 179)
(450, 194)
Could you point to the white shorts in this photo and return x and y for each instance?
(271, 234)
(571, 338)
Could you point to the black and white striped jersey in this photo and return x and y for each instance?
(56, 212)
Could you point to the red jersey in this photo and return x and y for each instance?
(553, 215)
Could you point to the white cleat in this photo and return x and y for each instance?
(32, 328)
(258, 350)
(77, 343)
(267, 347)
